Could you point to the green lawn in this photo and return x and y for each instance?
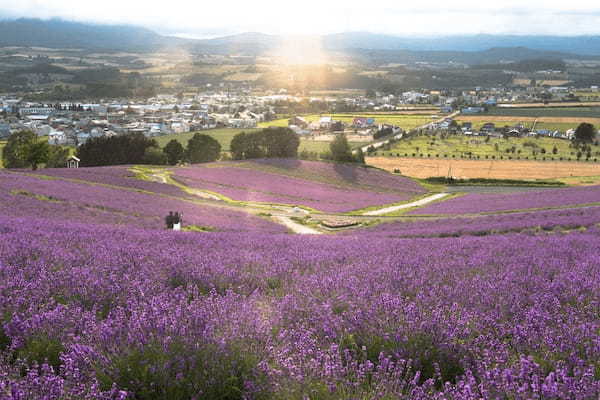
(406, 122)
(321, 147)
(224, 136)
(462, 146)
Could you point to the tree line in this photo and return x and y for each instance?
(138, 149)
(24, 149)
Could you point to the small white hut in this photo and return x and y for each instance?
(73, 162)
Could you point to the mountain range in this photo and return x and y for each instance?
(473, 49)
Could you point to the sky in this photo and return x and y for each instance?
(201, 19)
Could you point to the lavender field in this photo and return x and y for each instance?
(548, 220)
(339, 191)
(344, 175)
(119, 176)
(90, 312)
(24, 195)
(99, 301)
(473, 203)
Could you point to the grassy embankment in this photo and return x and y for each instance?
(2, 144)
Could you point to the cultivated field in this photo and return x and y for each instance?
(98, 195)
(558, 105)
(462, 146)
(557, 112)
(484, 225)
(108, 311)
(474, 203)
(100, 302)
(552, 123)
(496, 169)
(322, 186)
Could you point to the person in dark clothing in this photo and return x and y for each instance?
(170, 220)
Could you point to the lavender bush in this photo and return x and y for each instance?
(243, 184)
(93, 312)
(571, 218)
(473, 203)
(115, 176)
(61, 199)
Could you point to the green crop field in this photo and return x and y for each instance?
(460, 146)
(405, 121)
(566, 112)
(595, 95)
(528, 122)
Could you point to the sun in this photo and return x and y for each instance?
(301, 50)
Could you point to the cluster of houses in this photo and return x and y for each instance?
(325, 125)
(67, 123)
(493, 130)
(75, 123)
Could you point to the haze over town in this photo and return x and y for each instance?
(312, 17)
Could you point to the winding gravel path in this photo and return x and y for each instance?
(417, 203)
(296, 227)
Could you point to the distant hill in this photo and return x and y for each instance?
(490, 56)
(582, 45)
(480, 49)
(56, 33)
(475, 49)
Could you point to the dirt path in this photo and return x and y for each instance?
(296, 227)
(417, 203)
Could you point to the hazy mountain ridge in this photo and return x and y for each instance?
(56, 33)
(582, 45)
(478, 49)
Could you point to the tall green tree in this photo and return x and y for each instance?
(57, 157)
(280, 142)
(340, 149)
(266, 143)
(14, 154)
(175, 152)
(115, 150)
(202, 148)
(585, 133)
(155, 156)
(36, 153)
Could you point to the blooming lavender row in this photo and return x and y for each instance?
(252, 185)
(147, 208)
(344, 175)
(22, 203)
(114, 176)
(484, 225)
(484, 202)
(127, 312)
